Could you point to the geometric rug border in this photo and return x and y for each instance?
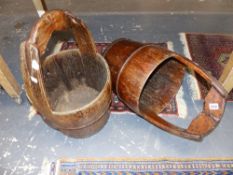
(143, 165)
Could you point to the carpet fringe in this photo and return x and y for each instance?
(181, 104)
(191, 80)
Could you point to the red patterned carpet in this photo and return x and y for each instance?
(210, 51)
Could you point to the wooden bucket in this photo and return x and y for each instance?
(146, 78)
(71, 89)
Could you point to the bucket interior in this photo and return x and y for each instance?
(72, 82)
(161, 86)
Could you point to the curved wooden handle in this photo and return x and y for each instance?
(206, 120)
(35, 46)
(58, 20)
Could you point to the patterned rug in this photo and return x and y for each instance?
(210, 51)
(141, 167)
(177, 106)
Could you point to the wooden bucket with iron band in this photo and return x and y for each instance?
(146, 78)
(71, 89)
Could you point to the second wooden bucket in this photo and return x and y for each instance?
(146, 78)
(71, 89)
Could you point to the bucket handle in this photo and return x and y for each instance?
(35, 46)
(59, 20)
(214, 104)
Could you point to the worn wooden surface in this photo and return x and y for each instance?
(148, 79)
(54, 77)
(27, 145)
(8, 81)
